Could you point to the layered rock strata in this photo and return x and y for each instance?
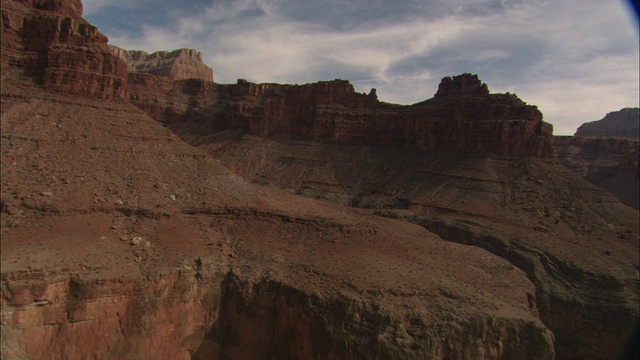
(177, 65)
(51, 42)
(575, 242)
(463, 115)
(141, 246)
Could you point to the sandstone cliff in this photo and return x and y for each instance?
(178, 64)
(51, 42)
(463, 115)
(622, 123)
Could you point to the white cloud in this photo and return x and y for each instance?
(93, 6)
(267, 49)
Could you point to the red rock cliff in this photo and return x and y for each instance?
(462, 116)
(50, 41)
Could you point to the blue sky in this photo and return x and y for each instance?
(575, 59)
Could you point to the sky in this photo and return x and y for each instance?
(575, 59)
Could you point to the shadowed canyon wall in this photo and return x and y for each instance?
(459, 117)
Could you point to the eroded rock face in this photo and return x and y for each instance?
(463, 116)
(622, 123)
(51, 42)
(176, 65)
(121, 318)
(606, 153)
(203, 315)
(607, 162)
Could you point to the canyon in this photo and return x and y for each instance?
(149, 212)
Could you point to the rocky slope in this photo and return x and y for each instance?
(622, 123)
(120, 241)
(610, 163)
(140, 246)
(326, 141)
(575, 242)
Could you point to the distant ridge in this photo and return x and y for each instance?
(622, 123)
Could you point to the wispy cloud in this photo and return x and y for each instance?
(556, 54)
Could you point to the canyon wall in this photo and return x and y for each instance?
(575, 242)
(51, 42)
(459, 117)
(201, 315)
(120, 241)
(606, 153)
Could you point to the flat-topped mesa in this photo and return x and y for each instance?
(267, 109)
(622, 123)
(178, 64)
(337, 89)
(332, 111)
(461, 85)
(465, 117)
(51, 42)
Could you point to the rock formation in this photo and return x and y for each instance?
(622, 123)
(51, 42)
(464, 85)
(177, 64)
(463, 115)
